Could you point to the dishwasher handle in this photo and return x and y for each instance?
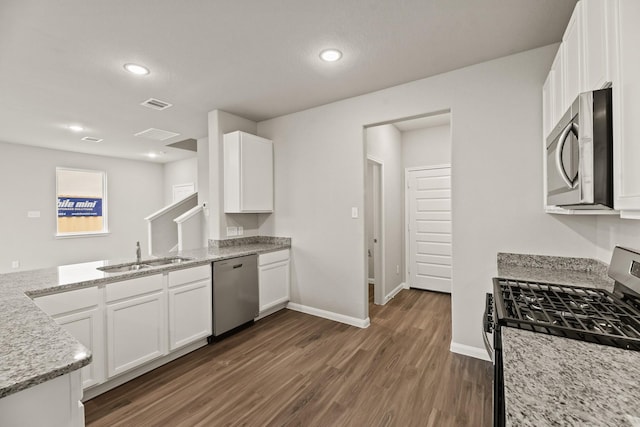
(237, 266)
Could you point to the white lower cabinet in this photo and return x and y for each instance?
(136, 323)
(189, 306)
(87, 327)
(274, 279)
(80, 313)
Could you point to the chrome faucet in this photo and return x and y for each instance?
(138, 253)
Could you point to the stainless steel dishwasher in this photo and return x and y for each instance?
(235, 293)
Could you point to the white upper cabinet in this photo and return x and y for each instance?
(248, 173)
(585, 57)
(572, 52)
(553, 96)
(595, 52)
(626, 106)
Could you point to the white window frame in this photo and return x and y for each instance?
(105, 216)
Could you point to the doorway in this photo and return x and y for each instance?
(392, 149)
(374, 220)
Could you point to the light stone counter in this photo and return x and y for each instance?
(34, 349)
(555, 381)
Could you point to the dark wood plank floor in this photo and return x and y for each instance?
(298, 370)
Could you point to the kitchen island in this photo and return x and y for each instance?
(35, 349)
(551, 380)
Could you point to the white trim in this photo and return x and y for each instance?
(273, 309)
(188, 214)
(353, 321)
(170, 207)
(467, 350)
(371, 281)
(380, 284)
(395, 292)
(72, 235)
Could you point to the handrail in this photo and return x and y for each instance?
(188, 214)
(172, 206)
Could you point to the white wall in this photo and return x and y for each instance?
(426, 147)
(183, 171)
(384, 143)
(28, 183)
(497, 184)
(613, 231)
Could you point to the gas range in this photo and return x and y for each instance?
(579, 313)
(585, 314)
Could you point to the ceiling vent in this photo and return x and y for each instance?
(91, 139)
(156, 134)
(155, 104)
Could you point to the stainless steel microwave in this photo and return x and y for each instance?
(580, 154)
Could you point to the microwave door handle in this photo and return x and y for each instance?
(570, 128)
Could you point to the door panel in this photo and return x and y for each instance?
(429, 232)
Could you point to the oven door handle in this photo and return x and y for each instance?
(487, 343)
(487, 327)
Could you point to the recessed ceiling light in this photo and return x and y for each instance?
(330, 55)
(136, 69)
(154, 154)
(76, 128)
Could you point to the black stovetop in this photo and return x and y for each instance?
(585, 314)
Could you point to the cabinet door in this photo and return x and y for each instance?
(87, 327)
(248, 173)
(596, 60)
(547, 106)
(274, 284)
(572, 48)
(626, 109)
(556, 90)
(136, 332)
(189, 313)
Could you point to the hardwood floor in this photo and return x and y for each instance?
(298, 370)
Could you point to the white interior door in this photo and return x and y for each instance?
(429, 228)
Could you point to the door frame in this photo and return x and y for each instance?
(407, 240)
(378, 256)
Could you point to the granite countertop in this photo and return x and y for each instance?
(564, 381)
(34, 349)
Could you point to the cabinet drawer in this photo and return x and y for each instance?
(188, 275)
(68, 301)
(272, 257)
(133, 287)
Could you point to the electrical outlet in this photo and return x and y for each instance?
(33, 214)
(354, 212)
(15, 264)
(232, 231)
(240, 231)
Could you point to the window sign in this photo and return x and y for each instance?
(81, 201)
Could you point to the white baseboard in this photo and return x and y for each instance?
(394, 292)
(406, 285)
(466, 350)
(269, 311)
(353, 321)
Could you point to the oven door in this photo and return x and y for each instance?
(487, 325)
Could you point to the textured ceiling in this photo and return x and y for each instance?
(61, 61)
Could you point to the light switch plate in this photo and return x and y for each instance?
(354, 212)
(15, 264)
(232, 231)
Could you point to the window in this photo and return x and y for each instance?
(81, 202)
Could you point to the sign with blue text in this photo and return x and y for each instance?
(73, 206)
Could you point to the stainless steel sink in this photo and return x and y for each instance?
(121, 268)
(135, 266)
(165, 261)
